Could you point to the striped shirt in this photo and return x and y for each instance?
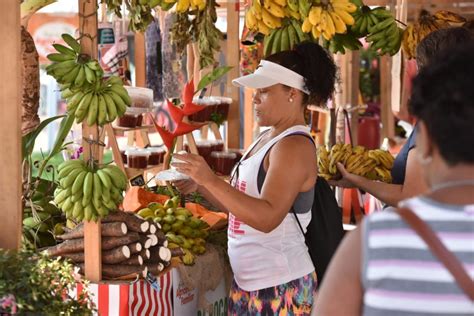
(400, 276)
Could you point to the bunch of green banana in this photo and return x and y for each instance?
(100, 105)
(188, 258)
(341, 42)
(89, 193)
(373, 164)
(384, 36)
(366, 18)
(284, 38)
(70, 67)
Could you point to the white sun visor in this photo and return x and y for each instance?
(269, 74)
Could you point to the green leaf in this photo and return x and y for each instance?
(213, 76)
(64, 129)
(28, 141)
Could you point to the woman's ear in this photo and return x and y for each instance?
(424, 144)
(294, 95)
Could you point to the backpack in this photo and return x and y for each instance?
(325, 230)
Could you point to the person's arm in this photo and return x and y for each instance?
(189, 186)
(388, 193)
(211, 198)
(286, 175)
(341, 291)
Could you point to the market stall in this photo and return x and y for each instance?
(146, 249)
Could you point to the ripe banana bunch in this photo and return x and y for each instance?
(385, 37)
(265, 15)
(70, 67)
(284, 38)
(427, 23)
(373, 164)
(88, 193)
(328, 20)
(183, 6)
(99, 105)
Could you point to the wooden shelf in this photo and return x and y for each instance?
(132, 172)
(127, 129)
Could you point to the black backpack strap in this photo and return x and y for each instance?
(302, 231)
(297, 220)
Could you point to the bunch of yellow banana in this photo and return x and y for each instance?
(183, 6)
(86, 193)
(328, 20)
(284, 38)
(265, 15)
(373, 164)
(99, 105)
(383, 33)
(70, 67)
(427, 23)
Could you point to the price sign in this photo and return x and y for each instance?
(138, 181)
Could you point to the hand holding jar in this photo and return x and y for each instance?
(194, 166)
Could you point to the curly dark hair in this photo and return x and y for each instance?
(440, 40)
(315, 64)
(443, 98)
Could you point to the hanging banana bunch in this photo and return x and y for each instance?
(329, 19)
(72, 69)
(88, 192)
(88, 96)
(284, 38)
(426, 24)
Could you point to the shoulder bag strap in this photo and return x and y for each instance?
(439, 250)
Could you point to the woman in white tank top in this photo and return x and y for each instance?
(273, 272)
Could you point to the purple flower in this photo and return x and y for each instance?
(8, 302)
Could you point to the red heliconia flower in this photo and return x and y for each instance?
(175, 112)
(185, 128)
(166, 135)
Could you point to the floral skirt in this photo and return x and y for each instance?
(292, 298)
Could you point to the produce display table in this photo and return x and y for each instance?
(140, 298)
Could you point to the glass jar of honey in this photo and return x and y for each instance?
(223, 162)
(137, 158)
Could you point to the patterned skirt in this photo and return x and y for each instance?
(292, 298)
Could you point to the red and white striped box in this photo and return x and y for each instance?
(132, 299)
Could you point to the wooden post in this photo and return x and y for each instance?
(233, 53)
(388, 125)
(10, 127)
(340, 99)
(140, 70)
(92, 234)
(353, 85)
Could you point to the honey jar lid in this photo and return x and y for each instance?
(155, 150)
(223, 154)
(216, 141)
(137, 152)
(203, 143)
(221, 100)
